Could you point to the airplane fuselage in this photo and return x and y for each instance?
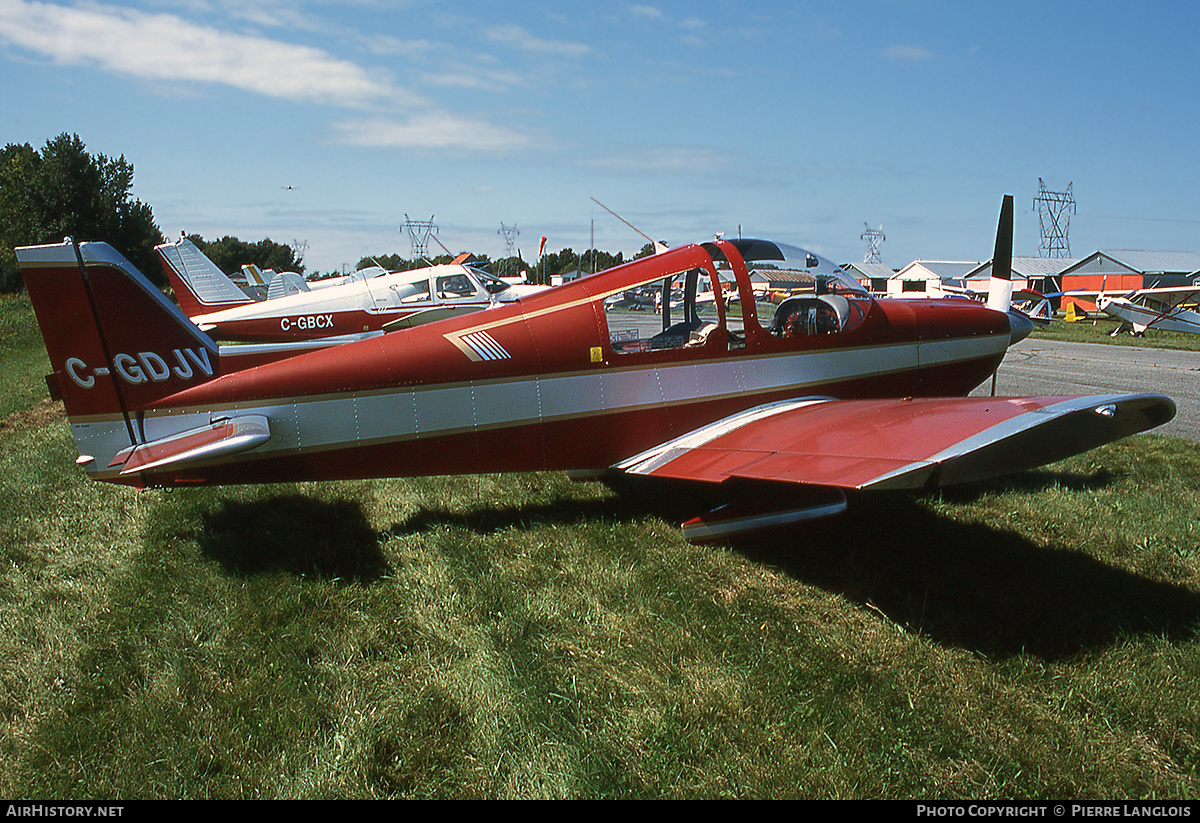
(552, 381)
(369, 301)
(354, 307)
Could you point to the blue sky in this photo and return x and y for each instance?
(796, 121)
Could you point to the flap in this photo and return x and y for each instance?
(899, 443)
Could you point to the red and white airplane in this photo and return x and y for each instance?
(355, 305)
(780, 416)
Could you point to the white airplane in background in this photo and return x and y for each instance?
(1169, 308)
(202, 288)
(268, 284)
(367, 302)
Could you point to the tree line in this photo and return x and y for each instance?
(551, 263)
(63, 191)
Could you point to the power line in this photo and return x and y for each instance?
(873, 237)
(509, 233)
(1142, 219)
(419, 231)
(1054, 218)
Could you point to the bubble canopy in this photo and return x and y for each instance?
(785, 262)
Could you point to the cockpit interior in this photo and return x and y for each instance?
(801, 292)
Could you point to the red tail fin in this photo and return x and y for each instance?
(115, 342)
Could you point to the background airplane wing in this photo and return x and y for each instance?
(430, 315)
(899, 444)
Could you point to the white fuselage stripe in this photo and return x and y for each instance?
(351, 419)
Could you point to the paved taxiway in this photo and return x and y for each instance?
(1036, 366)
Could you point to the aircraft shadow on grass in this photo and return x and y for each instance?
(1032, 482)
(977, 586)
(293, 534)
(970, 586)
(672, 501)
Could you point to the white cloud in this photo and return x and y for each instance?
(164, 47)
(662, 158)
(688, 29)
(514, 35)
(908, 54)
(471, 78)
(431, 130)
(647, 12)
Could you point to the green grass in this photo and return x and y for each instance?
(22, 356)
(525, 636)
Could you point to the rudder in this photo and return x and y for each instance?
(115, 342)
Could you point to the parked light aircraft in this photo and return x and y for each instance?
(355, 305)
(778, 416)
(1170, 308)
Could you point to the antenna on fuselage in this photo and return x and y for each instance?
(658, 245)
(443, 245)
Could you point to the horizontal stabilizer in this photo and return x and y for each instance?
(900, 444)
(219, 438)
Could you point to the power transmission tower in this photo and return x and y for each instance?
(873, 237)
(509, 233)
(419, 231)
(1054, 217)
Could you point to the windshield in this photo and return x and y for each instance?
(795, 268)
(491, 282)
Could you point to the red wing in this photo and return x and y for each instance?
(900, 444)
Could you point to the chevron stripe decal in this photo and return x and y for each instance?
(484, 347)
